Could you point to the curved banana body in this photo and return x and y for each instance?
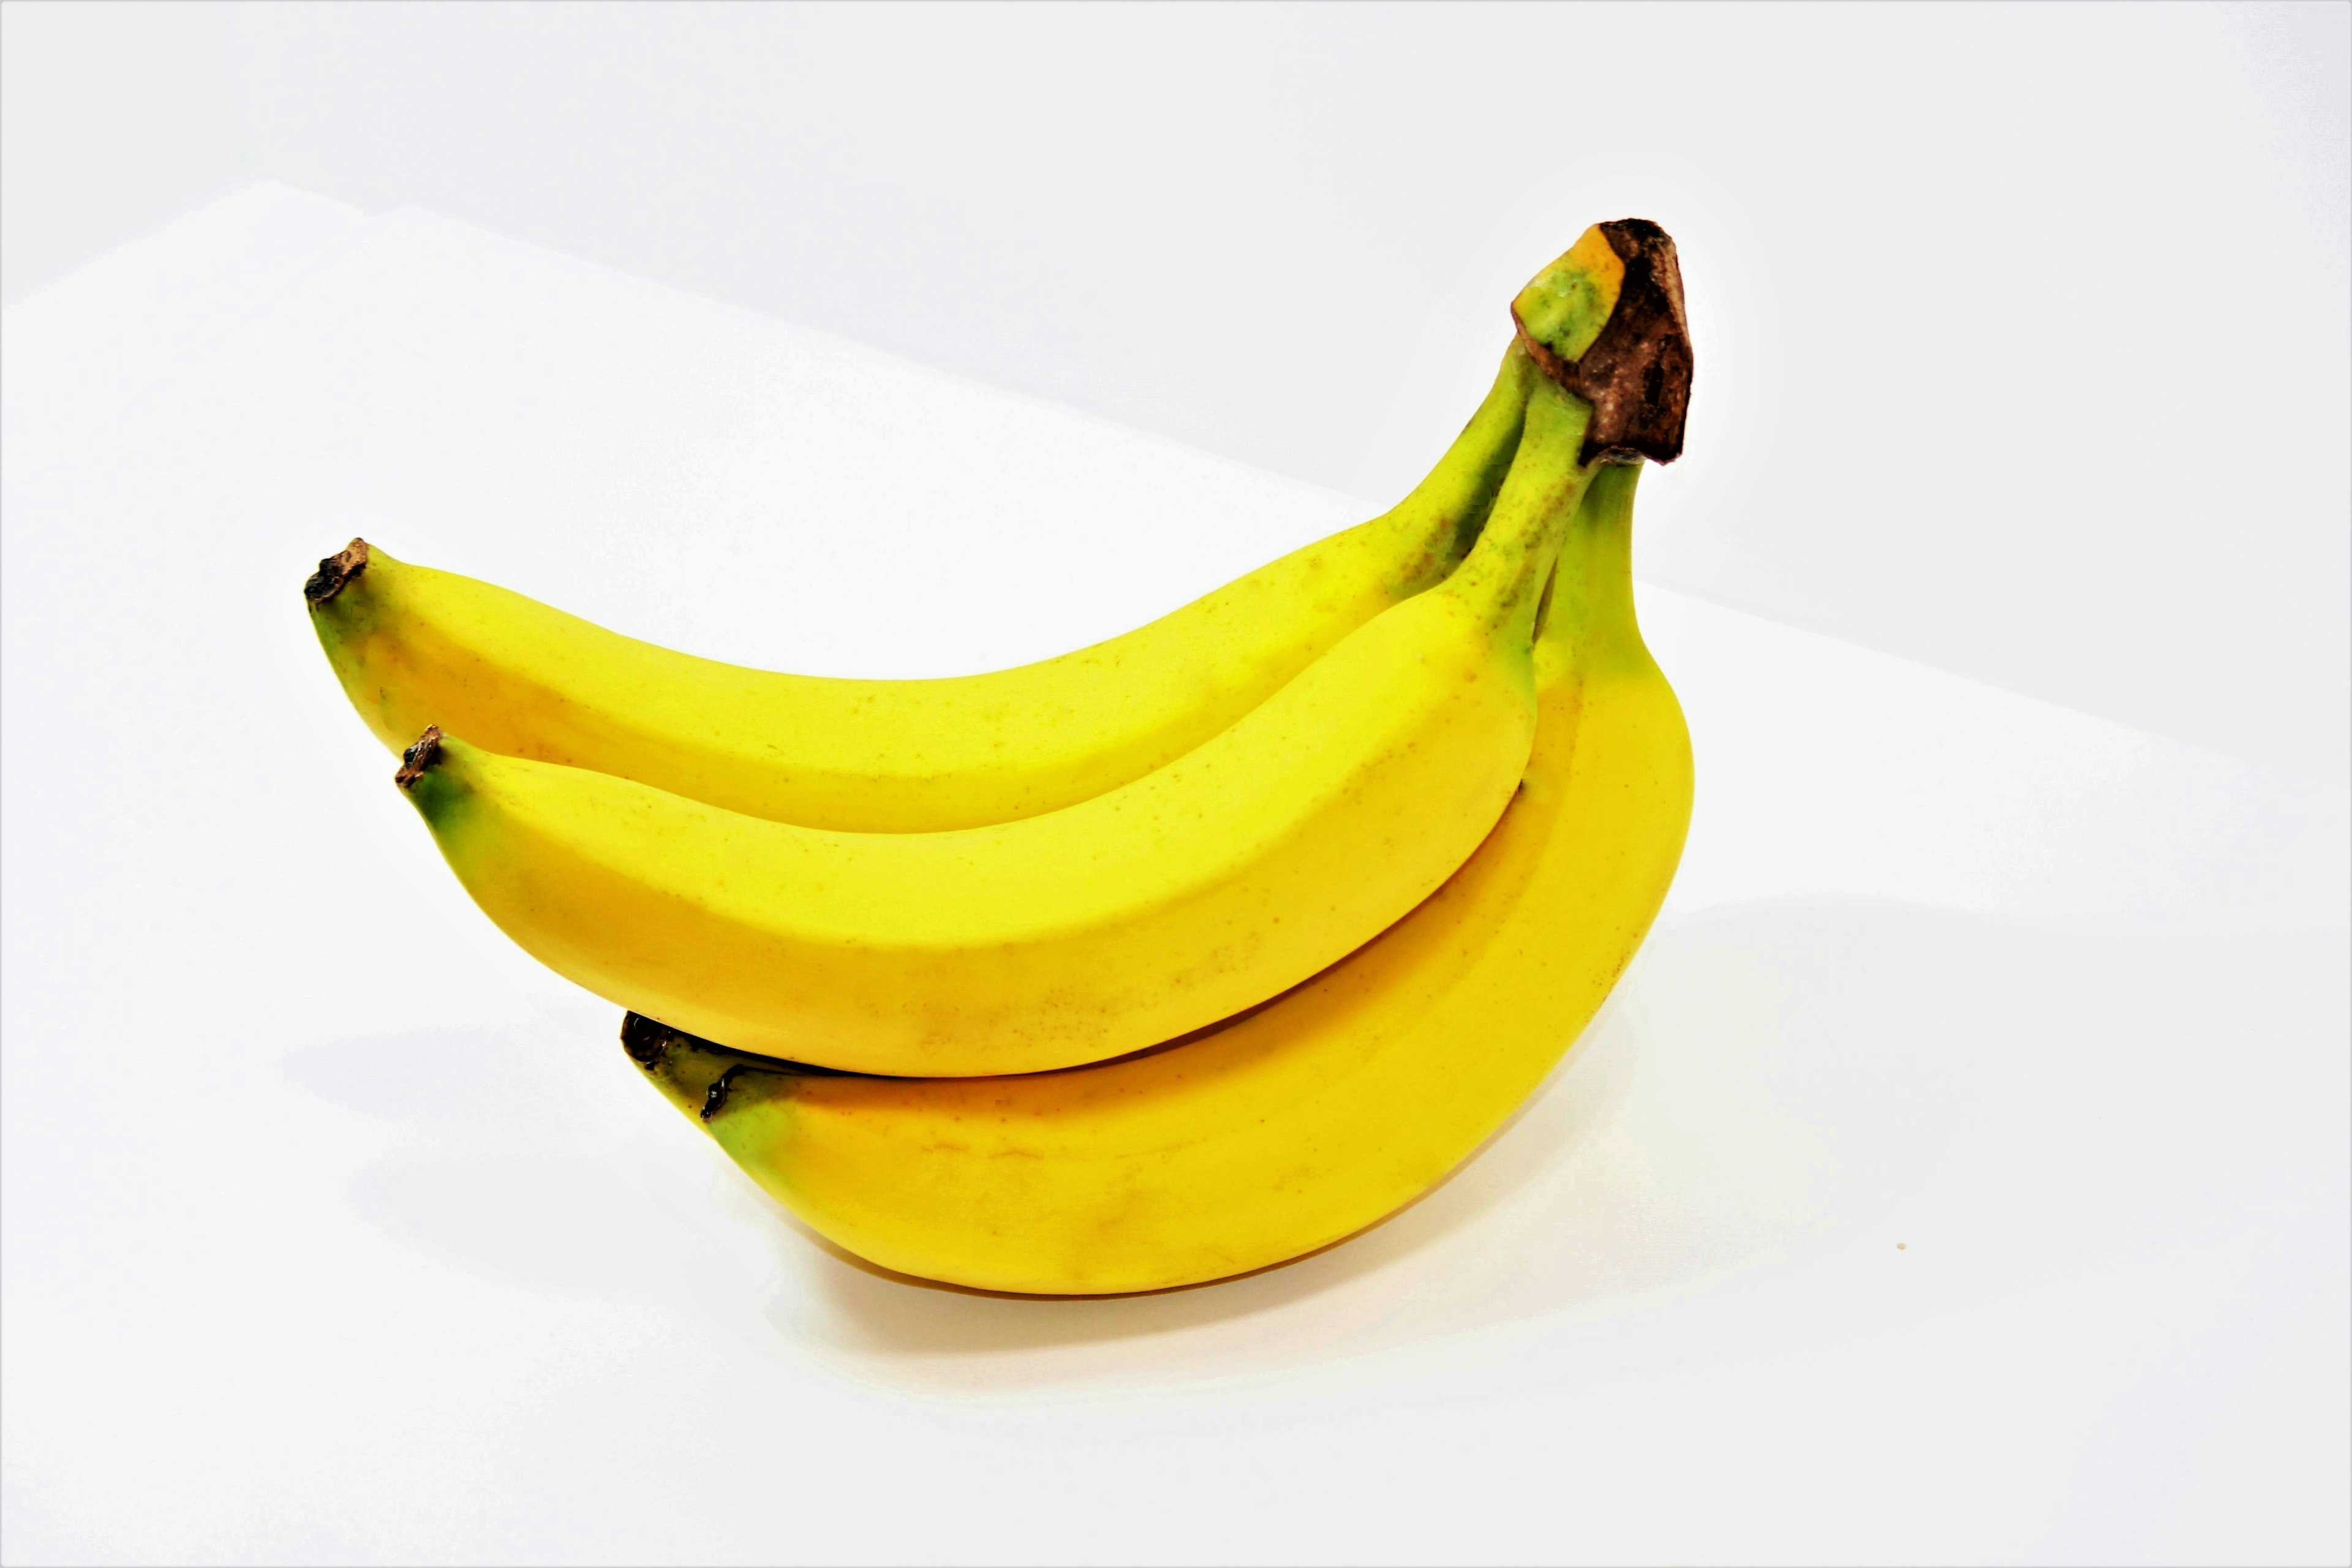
(1234, 872)
(1304, 1121)
(414, 647)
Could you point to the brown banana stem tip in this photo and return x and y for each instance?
(335, 570)
(1637, 373)
(418, 760)
(647, 1041)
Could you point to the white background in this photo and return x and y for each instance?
(334, 1229)
(2033, 320)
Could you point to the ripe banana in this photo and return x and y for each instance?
(414, 646)
(1310, 1118)
(1237, 870)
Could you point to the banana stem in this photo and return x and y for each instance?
(1445, 512)
(1588, 622)
(1507, 570)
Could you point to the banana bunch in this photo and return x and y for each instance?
(1169, 958)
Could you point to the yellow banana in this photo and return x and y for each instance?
(414, 646)
(1312, 1117)
(1202, 888)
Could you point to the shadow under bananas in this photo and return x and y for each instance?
(1769, 1082)
(1772, 1082)
(529, 1152)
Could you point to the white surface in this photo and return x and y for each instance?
(335, 1229)
(2023, 329)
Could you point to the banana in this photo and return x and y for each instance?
(1310, 1118)
(1235, 871)
(414, 646)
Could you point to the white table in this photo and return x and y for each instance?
(1960, 1174)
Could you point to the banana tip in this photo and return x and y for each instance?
(335, 570)
(649, 1043)
(418, 760)
(645, 1041)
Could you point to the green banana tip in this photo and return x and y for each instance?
(335, 571)
(1606, 322)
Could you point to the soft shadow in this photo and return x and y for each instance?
(506, 1165)
(434, 1075)
(1772, 1077)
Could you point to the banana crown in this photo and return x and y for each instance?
(1606, 322)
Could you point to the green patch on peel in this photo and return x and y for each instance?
(1568, 303)
(438, 797)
